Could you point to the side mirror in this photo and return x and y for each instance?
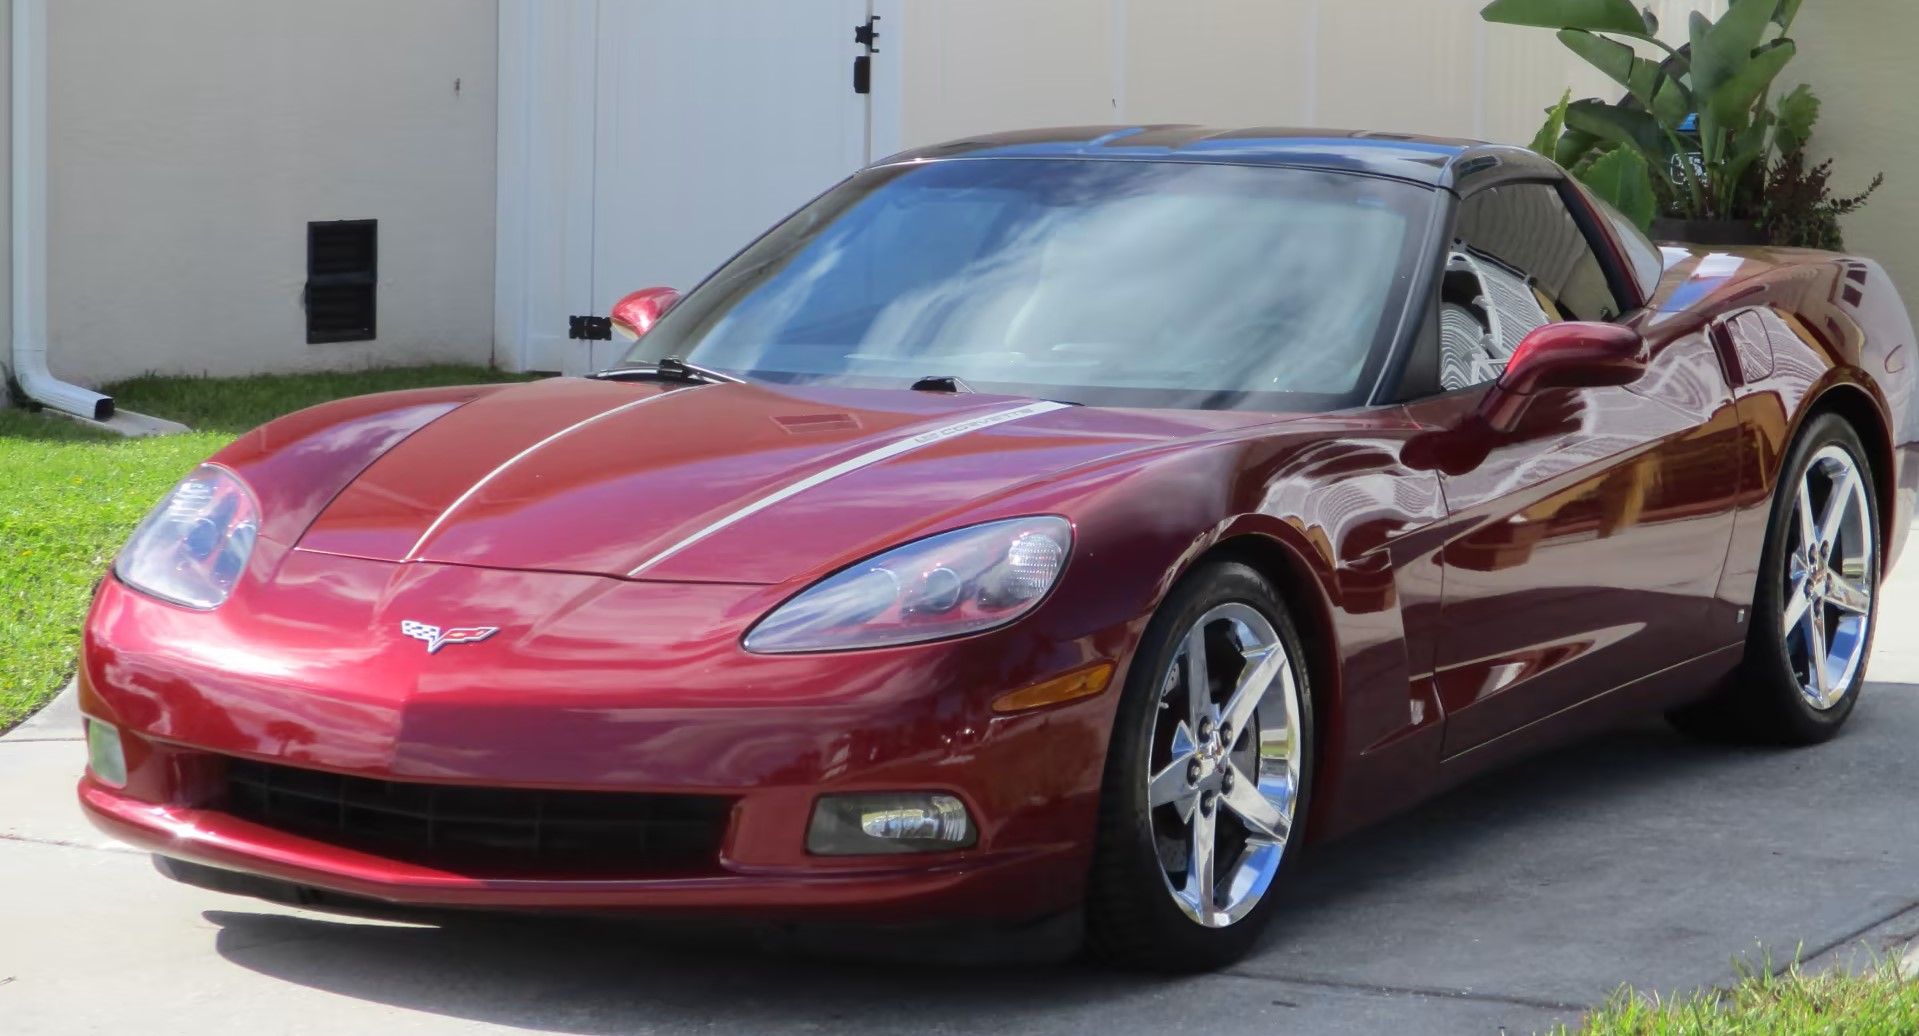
(1569, 355)
(636, 314)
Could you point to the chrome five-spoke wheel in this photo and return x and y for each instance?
(1209, 779)
(1829, 578)
(1814, 603)
(1224, 769)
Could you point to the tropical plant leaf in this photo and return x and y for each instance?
(1746, 150)
(1578, 169)
(1783, 16)
(1743, 27)
(1678, 67)
(1623, 179)
(1652, 21)
(1661, 93)
(1721, 49)
(1798, 112)
(1546, 141)
(1635, 129)
(1609, 56)
(1618, 16)
(1732, 102)
(1574, 148)
(1708, 68)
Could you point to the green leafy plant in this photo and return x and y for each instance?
(1697, 119)
(1622, 177)
(1799, 207)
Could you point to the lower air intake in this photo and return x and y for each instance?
(499, 832)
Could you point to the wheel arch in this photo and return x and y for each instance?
(1299, 588)
(1854, 405)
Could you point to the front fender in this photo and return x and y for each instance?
(1347, 532)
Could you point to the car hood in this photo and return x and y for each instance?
(742, 483)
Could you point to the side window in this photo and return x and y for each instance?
(1518, 261)
(1647, 261)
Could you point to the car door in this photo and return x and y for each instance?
(1584, 546)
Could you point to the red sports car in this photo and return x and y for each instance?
(1072, 519)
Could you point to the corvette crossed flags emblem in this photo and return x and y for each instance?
(437, 638)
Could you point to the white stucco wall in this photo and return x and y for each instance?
(191, 141)
(1417, 66)
(6, 183)
(1857, 54)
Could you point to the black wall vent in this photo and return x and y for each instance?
(342, 271)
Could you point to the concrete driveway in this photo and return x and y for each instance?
(1507, 906)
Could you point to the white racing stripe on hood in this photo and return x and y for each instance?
(867, 459)
(414, 551)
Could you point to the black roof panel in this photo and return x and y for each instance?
(1433, 161)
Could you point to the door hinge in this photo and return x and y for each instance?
(590, 328)
(867, 36)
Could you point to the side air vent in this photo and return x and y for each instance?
(342, 273)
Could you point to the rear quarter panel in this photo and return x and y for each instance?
(1826, 330)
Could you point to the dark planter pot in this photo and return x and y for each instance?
(1714, 232)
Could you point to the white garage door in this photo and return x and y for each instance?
(658, 138)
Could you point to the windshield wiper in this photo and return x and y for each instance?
(947, 384)
(672, 368)
(941, 383)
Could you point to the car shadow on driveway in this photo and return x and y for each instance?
(592, 977)
(1637, 857)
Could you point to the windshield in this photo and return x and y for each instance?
(1108, 282)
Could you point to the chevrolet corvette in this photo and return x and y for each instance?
(1072, 523)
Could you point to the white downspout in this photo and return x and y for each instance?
(29, 352)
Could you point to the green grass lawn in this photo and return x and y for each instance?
(70, 495)
(1878, 1003)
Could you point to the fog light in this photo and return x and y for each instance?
(104, 756)
(888, 822)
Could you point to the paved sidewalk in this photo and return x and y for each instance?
(1636, 858)
(1895, 649)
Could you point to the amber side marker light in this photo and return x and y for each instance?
(1080, 683)
(105, 756)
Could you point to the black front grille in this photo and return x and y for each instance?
(489, 831)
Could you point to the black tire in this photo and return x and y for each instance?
(1763, 702)
(1131, 918)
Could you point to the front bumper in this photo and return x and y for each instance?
(962, 885)
(550, 704)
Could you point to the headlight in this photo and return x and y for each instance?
(955, 583)
(194, 546)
